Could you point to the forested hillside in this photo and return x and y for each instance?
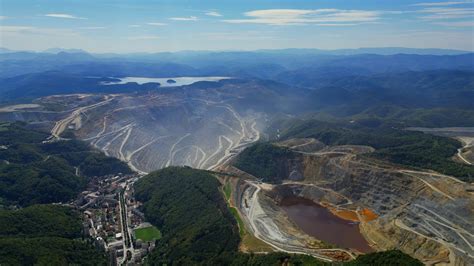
(265, 161)
(40, 221)
(391, 257)
(45, 235)
(33, 172)
(36, 172)
(188, 208)
(409, 148)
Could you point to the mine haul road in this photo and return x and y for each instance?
(61, 125)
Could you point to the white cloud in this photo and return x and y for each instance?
(443, 3)
(191, 18)
(3, 17)
(29, 30)
(436, 13)
(213, 14)
(307, 16)
(156, 24)
(144, 37)
(336, 24)
(66, 16)
(15, 29)
(456, 24)
(134, 26)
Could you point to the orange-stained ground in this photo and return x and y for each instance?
(346, 214)
(368, 215)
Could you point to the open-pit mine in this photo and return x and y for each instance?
(332, 202)
(153, 130)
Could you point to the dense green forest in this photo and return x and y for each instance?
(391, 257)
(44, 235)
(198, 229)
(40, 220)
(188, 208)
(265, 161)
(351, 93)
(410, 148)
(392, 115)
(33, 172)
(90, 162)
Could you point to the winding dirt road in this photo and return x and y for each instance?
(62, 124)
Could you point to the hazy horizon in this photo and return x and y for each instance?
(168, 26)
(309, 49)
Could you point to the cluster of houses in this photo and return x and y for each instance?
(102, 212)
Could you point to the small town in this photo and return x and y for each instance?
(111, 217)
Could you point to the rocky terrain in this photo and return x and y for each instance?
(152, 132)
(425, 214)
(202, 125)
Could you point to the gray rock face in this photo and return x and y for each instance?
(201, 126)
(425, 214)
(295, 175)
(152, 133)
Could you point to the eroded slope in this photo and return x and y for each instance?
(423, 213)
(202, 125)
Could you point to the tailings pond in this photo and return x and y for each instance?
(320, 223)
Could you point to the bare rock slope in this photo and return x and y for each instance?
(423, 213)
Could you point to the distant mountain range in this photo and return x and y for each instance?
(369, 50)
(59, 50)
(264, 64)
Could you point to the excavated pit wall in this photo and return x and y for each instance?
(315, 194)
(417, 213)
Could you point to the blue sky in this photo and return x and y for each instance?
(157, 25)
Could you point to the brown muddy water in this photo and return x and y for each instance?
(319, 222)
